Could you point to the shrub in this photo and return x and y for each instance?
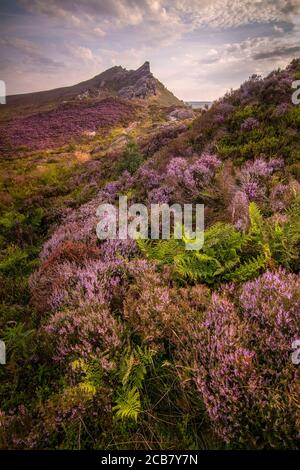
(249, 124)
(89, 331)
(131, 159)
(244, 373)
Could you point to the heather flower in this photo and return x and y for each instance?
(114, 249)
(282, 108)
(244, 371)
(148, 177)
(249, 124)
(41, 130)
(110, 191)
(252, 190)
(176, 168)
(240, 210)
(160, 195)
(57, 284)
(86, 332)
(192, 175)
(282, 195)
(254, 176)
(223, 108)
(78, 225)
(219, 119)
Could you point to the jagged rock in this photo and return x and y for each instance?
(116, 81)
(143, 83)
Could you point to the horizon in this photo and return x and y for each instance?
(198, 50)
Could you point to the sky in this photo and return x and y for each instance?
(199, 49)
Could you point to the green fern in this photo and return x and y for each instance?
(228, 254)
(248, 270)
(128, 404)
(132, 373)
(162, 250)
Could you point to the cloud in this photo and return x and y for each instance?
(217, 13)
(84, 53)
(29, 52)
(278, 53)
(278, 29)
(99, 32)
(194, 46)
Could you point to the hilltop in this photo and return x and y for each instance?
(116, 97)
(116, 81)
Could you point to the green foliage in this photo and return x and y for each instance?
(230, 255)
(285, 240)
(131, 159)
(15, 261)
(220, 254)
(90, 375)
(132, 374)
(293, 117)
(128, 404)
(19, 340)
(162, 251)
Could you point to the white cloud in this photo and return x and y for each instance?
(198, 48)
(84, 53)
(99, 32)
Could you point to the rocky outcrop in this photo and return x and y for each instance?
(116, 81)
(179, 114)
(143, 84)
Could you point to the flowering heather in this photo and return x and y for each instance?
(56, 285)
(282, 109)
(114, 249)
(192, 175)
(159, 314)
(244, 372)
(56, 127)
(254, 176)
(148, 177)
(161, 195)
(176, 168)
(282, 194)
(275, 88)
(99, 332)
(223, 108)
(89, 331)
(240, 210)
(80, 225)
(249, 124)
(109, 193)
(261, 168)
(271, 306)
(219, 119)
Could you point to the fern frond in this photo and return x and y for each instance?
(128, 404)
(163, 251)
(248, 270)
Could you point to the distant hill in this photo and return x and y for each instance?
(116, 81)
(51, 118)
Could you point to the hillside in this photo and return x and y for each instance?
(116, 97)
(121, 344)
(116, 81)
